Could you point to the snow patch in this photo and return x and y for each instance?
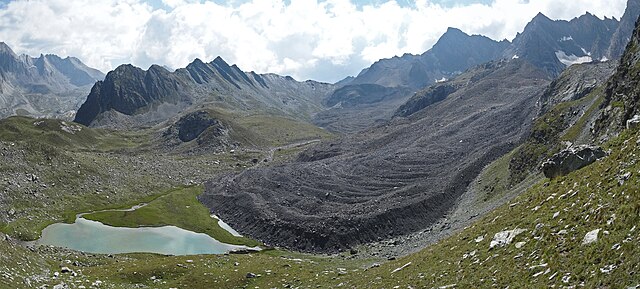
(566, 38)
(441, 80)
(515, 57)
(569, 60)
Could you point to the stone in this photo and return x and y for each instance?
(571, 159)
(505, 237)
(251, 275)
(61, 286)
(633, 122)
(520, 245)
(65, 270)
(591, 237)
(623, 178)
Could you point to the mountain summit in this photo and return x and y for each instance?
(555, 44)
(454, 52)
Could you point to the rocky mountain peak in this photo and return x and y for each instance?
(5, 49)
(452, 36)
(196, 63)
(541, 18)
(158, 68)
(219, 61)
(124, 70)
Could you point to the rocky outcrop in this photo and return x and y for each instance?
(190, 126)
(576, 82)
(424, 98)
(634, 122)
(621, 94)
(504, 238)
(199, 131)
(570, 160)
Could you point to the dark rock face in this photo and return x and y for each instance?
(129, 89)
(570, 160)
(198, 131)
(46, 86)
(190, 126)
(424, 98)
(386, 181)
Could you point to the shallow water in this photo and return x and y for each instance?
(95, 237)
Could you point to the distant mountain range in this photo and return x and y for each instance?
(46, 86)
(130, 96)
(548, 44)
(377, 91)
(454, 52)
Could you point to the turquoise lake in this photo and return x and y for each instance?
(94, 237)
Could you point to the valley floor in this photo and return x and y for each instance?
(549, 247)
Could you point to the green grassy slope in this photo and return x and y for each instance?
(553, 255)
(555, 214)
(178, 207)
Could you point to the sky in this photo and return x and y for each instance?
(324, 40)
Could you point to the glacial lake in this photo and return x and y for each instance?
(94, 237)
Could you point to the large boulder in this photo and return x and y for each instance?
(571, 159)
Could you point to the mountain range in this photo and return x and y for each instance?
(130, 96)
(46, 86)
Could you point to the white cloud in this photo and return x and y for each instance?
(324, 40)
